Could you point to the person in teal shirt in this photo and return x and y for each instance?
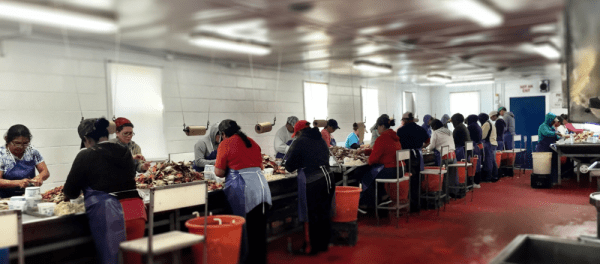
(353, 141)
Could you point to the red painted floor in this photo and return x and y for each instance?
(474, 232)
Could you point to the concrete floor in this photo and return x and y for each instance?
(474, 232)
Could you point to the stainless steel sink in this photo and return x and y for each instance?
(533, 249)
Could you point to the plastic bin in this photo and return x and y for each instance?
(431, 182)
(390, 188)
(473, 168)
(542, 162)
(498, 158)
(223, 238)
(508, 159)
(461, 171)
(346, 203)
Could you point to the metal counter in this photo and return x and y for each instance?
(580, 152)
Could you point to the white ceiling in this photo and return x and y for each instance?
(417, 37)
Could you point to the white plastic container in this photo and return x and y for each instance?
(542, 162)
(595, 139)
(17, 205)
(32, 191)
(268, 172)
(18, 198)
(46, 208)
(32, 202)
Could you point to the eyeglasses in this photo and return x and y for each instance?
(129, 134)
(23, 145)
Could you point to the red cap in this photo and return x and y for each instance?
(122, 121)
(302, 124)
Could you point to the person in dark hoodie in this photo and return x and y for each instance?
(309, 155)
(105, 173)
(475, 133)
(490, 168)
(460, 135)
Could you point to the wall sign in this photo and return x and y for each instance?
(526, 88)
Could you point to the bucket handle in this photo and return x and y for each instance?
(196, 214)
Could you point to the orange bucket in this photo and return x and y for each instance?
(390, 188)
(223, 239)
(461, 172)
(508, 158)
(498, 158)
(473, 168)
(563, 160)
(346, 203)
(432, 181)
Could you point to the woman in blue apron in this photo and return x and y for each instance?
(309, 155)
(105, 173)
(490, 167)
(547, 136)
(18, 163)
(205, 150)
(460, 134)
(239, 159)
(475, 134)
(283, 137)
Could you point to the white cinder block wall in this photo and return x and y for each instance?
(44, 84)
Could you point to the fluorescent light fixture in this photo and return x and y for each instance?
(238, 46)
(47, 16)
(439, 78)
(363, 65)
(469, 83)
(477, 11)
(547, 49)
(429, 84)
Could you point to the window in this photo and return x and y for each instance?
(370, 106)
(315, 101)
(466, 103)
(137, 95)
(409, 103)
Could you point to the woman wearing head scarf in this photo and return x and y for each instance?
(475, 134)
(239, 159)
(426, 125)
(446, 122)
(547, 136)
(18, 163)
(205, 150)
(490, 168)
(124, 138)
(440, 138)
(105, 172)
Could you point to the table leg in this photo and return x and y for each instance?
(559, 169)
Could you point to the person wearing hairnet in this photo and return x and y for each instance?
(283, 137)
(205, 150)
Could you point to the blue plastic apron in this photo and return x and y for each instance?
(544, 144)
(107, 224)
(280, 155)
(489, 164)
(22, 170)
(418, 153)
(460, 153)
(332, 141)
(369, 178)
(211, 156)
(438, 157)
(302, 201)
(245, 189)
(509, 142)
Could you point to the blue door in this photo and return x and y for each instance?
(529, 115)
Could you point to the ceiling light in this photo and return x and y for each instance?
(547, 49)
(363, 65)
(439, 78)
(47, 16)
(239, 46)
(544, 28)
(469, 83)
(479, 12)
(429, 84)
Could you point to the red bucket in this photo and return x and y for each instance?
(461, 171)
(346, 203)
(563, 160)
(473, 168)
(223, 239)
(431, 182)
(498, 158)
(390, 188)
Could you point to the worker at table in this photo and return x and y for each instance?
(490, 168)
(510, 132)
(570, 126)
(353, 140)
(18, 163)
(441, 138)
(332, 126)
(475, 134)
(205, 150)
(283, 137)
(124, 136)
(316, 187)
(460, 135)
(382, 159)
(547, 136)
(413, 137)
(500, 126)
(427, 124)
(374, 129)
(239, 159)
(105, 173)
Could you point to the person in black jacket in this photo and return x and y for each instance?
(460, 134)
(309, 155)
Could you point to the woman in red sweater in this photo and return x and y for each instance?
(570, 126)
(382, 159)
